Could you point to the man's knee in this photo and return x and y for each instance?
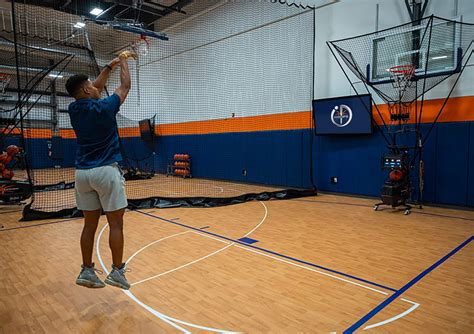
(115, 218)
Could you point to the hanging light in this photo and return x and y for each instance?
(96, 11)
(79, 25)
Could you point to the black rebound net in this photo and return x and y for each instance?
(219, 111)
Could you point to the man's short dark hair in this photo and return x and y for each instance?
(74, 83)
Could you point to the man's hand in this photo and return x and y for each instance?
(127, 54)
(114, 62)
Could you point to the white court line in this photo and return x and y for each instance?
(261, 222)
(154, 242)
(146, 307)
(401, 315)
(181, 267)
(213, 238)
(311, 269)
(202, 258)
(170, 320)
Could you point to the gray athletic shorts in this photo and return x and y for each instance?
(100, 187)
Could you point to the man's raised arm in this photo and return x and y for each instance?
(125, 81)
(101, 80)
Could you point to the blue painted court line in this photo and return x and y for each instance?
(248, 240)
(204, 227)
(272, 252)
(407, 286)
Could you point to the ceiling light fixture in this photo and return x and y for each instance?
(96, 11)
(439, 57)
(79, 25)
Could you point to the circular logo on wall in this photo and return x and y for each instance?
(341, 115)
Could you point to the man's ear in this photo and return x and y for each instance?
(86, 89)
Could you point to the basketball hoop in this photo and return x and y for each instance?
(141, 46)
(401, 80)
(401, 76)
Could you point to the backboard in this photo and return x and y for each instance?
(432, 47)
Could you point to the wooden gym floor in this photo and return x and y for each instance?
(320, 264)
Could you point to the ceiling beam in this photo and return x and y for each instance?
(63, 7)
(170, 8)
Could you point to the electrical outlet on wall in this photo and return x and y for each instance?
(333, 179)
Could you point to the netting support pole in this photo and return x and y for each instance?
(19, 94)
(312, 134)
(418, 154)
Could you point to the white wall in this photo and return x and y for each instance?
(348, 18)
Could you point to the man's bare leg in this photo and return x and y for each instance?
(91, 220)
(88, 277)
(115, 219)
(117, 275)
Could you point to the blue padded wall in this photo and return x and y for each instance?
(452, 163)
(470, 179)
(355, 160)
(226, 156)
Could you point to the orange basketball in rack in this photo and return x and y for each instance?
(395, 175)
(186, 156)
(7, 174)
(176, 157)
(13, 150)
(3, 157)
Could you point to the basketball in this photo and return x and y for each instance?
(8, 159)
(7, 174)
(3, 157)
(396, 175)
(12, 150)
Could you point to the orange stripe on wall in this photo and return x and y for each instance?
(286, 121)
(458, 109)
(123, 132)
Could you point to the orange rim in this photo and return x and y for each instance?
(402, 69)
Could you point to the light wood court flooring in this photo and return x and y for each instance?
(318, 265)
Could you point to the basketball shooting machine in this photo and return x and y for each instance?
(401, 64)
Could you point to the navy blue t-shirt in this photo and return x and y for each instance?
(95, 126)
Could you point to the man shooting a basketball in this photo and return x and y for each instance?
(99, 181)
